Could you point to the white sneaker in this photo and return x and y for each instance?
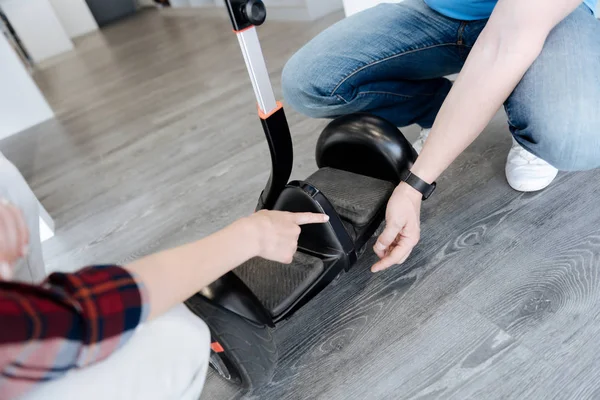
(526, 172)
(418, 144)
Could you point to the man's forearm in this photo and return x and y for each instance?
(494, 67)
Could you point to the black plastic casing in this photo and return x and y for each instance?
(238, 19)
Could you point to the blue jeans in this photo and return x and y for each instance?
(391, 60)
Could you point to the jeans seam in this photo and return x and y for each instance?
(459, 39)
(460, 33)
(342, 99)
(384, 93)
(507, 109)
(394, 94)
(386, 59)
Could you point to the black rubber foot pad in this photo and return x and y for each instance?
(356, 198)
(277, 285)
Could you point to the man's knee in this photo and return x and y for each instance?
(570, 141)
(293, 84)
(303, 89)
(314, 78)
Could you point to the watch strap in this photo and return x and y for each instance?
(419, 185)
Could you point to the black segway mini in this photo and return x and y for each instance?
(361, 158)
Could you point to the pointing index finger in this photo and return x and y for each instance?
(310, 218)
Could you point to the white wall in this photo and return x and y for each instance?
(22, 105)
(38, 27)
(75, 16)
(354, 6)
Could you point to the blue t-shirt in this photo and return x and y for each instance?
(470, 10)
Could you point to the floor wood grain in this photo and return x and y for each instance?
(156, 143)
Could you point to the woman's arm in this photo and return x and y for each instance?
(508, 45)
(174, 275)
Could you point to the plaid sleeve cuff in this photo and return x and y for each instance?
(112, 303)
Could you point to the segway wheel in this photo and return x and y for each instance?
(242, 351)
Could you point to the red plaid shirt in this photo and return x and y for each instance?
(69, 321)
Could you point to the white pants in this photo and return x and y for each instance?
(165, 359)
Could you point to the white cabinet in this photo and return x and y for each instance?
(38, 27)
(75, 17)
(22, 105)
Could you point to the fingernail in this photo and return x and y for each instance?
(25, 250)
(5, 271)
(326, 217)
(379, 246)
(3, 201)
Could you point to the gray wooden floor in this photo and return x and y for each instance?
(156, 143)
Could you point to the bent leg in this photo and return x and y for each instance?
(165, 359)
(389, 60)
(554, 111)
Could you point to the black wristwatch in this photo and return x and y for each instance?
(419, 185)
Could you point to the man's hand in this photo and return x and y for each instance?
(14, 238)
(402, 230)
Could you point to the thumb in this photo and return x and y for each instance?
(385, 240)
